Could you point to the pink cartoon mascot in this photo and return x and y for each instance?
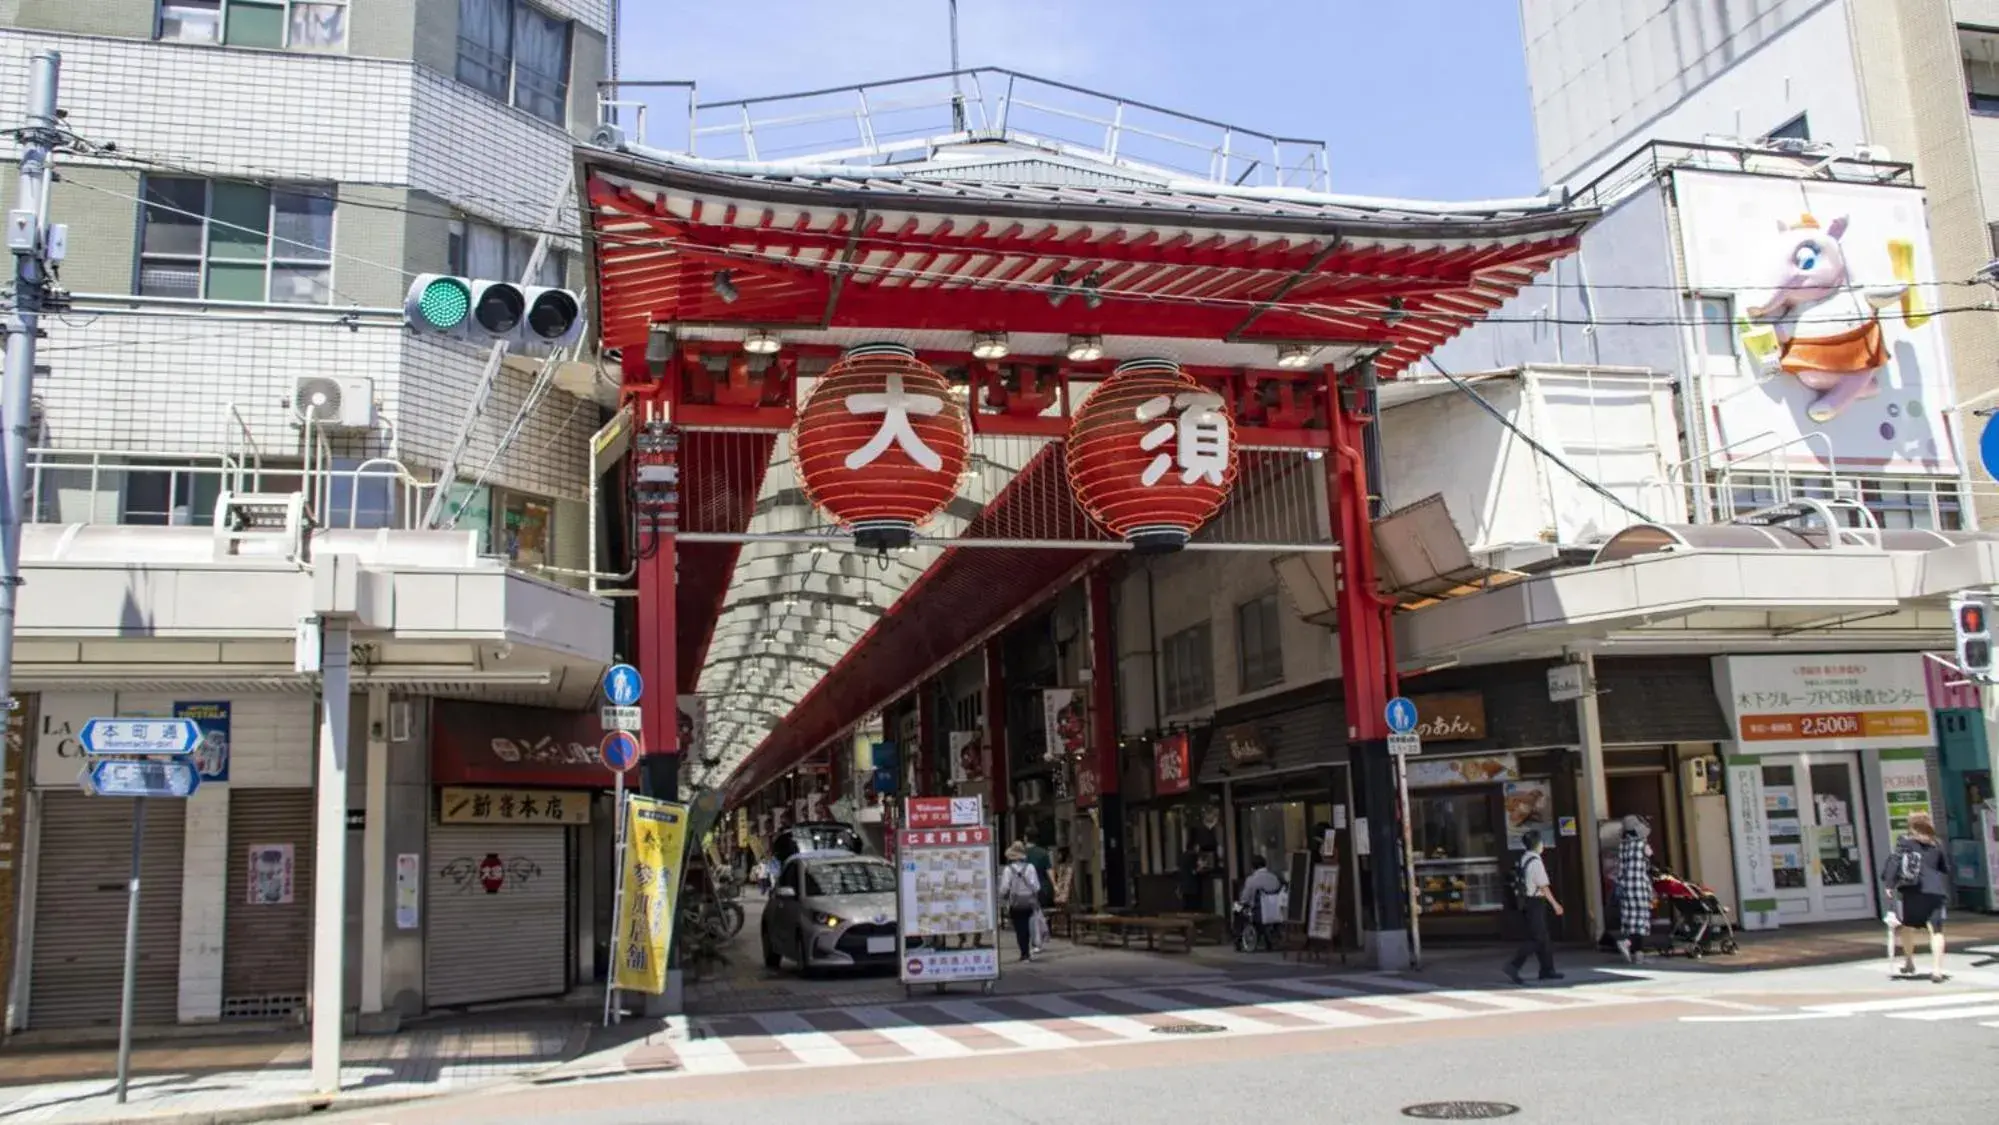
(1829, 330)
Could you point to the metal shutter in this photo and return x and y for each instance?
(267, 949)
(78, 961)
(500, 944)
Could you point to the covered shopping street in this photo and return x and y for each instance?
(1016, 277)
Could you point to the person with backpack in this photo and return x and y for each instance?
(1536, 896)
(1917, 877)
(1020, 896)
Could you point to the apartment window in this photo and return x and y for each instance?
(517, 53)
(1979, 49)
(1187, 665)
(1716, 326)
(298, 25)
(1259, 646)
(1797, 129)
(225, 241)
(489, 253)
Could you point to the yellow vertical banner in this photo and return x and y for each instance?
(655, 850)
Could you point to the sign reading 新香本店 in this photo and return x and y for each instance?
(1854, 701)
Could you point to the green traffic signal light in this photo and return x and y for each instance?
(445, 303)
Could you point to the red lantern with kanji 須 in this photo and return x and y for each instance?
(881, 443)
(1152, 454)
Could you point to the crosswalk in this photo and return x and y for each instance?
(957, 1026)
(1936, 1007)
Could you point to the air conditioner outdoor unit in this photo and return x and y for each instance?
(334, 403)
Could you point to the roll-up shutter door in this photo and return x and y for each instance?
(499, 901)
(85, 860)
(267, 946)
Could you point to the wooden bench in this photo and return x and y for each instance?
(1209, 929)
(1101, 928)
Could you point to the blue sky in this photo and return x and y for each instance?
(1415, 98)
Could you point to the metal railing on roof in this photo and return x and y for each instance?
(1772, 158)
(906, 120)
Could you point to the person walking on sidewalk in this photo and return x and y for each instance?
(1917, 876)
(1634, 888)
(1537, 903)
(1020, 895)
(1039, 859)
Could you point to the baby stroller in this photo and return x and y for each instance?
(1700, 923)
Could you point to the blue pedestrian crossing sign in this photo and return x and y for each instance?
(1401, 715)
(623, 685)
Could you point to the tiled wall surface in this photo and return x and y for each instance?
(495, 161)
(550, 456)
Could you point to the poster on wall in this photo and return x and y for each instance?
(1530, 807)
(1483, 769)
(1172, 772)
(1062, 723)
(271, 873)
(1755, 882)
(1838, 352)
(1905, 783)
(968, 757)
(211, 757)
(409, 881)
(1851, 701)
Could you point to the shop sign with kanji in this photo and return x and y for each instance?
(1855, 702)
(512, 806)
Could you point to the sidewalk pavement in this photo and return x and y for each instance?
(233, 1078)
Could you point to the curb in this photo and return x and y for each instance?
(288, 1108)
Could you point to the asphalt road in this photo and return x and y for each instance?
(1825, 1045)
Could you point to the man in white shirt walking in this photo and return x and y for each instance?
(1537, 903)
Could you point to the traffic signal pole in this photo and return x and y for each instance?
(447, 473)
(36, 247)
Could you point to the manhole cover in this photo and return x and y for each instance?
(1460, 1111)
(1188, 1029)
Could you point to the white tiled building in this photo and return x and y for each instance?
(254, 184)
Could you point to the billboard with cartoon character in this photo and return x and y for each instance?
(1832, 357)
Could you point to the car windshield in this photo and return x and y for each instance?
(849, 878)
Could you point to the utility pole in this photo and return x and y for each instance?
(36, 247)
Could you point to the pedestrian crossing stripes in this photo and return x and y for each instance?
(955, 1027)
(1935, 1008)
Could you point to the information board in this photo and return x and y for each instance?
(945, 893)
(1322, 907)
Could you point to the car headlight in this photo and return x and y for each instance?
(821, 918)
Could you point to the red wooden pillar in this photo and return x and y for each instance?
(657, 500)
(999, 764)
(1367, 659)
(1103, 735)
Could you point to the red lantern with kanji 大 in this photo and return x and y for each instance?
(881, 443)
(1152, 454)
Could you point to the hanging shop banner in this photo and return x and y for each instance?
(211, 755)
(1088, 785)
(1856, 701)
(271, 869)
(512, 806)
(1755, 879)
(1063, 723)
(655, 848)
(1905, 782)
(945, 890)
(1172, 772)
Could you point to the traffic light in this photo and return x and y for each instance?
(467, 308)
(1974, 637)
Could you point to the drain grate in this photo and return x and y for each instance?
(1188, 1029)
(1460, 1111)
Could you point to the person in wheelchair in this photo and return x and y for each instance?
(1262, 881)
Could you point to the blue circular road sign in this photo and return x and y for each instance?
(1988, 446)
(623, 685)
(1401, 715)
(619, 750)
